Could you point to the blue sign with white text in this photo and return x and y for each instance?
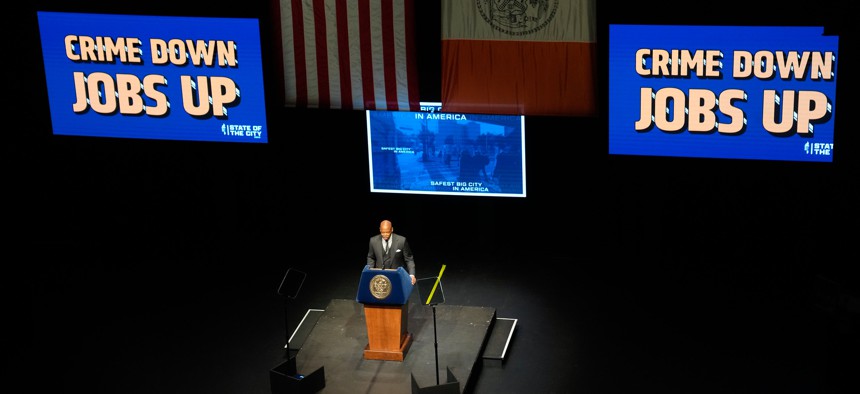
(154, 77)
(732, 92)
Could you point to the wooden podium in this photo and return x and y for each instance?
(385, 293)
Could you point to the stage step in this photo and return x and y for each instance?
(500, 339)
(297, 339)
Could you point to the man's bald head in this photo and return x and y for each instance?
(385, 229)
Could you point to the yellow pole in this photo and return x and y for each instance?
(438, 278)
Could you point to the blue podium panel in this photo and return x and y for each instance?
(379, 286)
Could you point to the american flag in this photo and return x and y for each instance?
(349, 54)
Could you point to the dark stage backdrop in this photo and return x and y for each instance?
(117, 203)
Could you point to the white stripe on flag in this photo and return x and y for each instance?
(376, 52)
(332, 55)
(355, 59)
(309, 39)
(566, 21)
(288, 51)
(400, 55)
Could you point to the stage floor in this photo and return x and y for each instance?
(338, 339)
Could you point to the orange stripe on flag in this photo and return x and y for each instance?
(515, 77)
(519, 57)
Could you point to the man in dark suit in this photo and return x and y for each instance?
(390, 250)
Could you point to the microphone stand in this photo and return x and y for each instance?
(433, 301)
(435, 344)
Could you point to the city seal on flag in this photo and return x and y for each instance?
(380, 287)
(517, 17)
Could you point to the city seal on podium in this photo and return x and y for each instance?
(380, 287)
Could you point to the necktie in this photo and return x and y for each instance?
(385, 246)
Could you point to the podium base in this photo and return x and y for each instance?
(389, 355)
